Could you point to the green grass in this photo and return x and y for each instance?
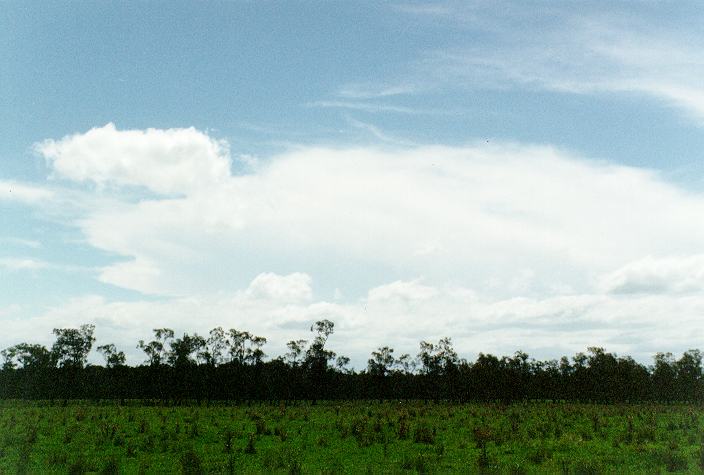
(351, 437)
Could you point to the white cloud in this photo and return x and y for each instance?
(16, 264)
(399, 314)
(502, 246)
(657, 275)
(402, 291)
(13, 191)
(21, 242)
(502, 217)
(171, 161)
(293, 288)
(585, 51)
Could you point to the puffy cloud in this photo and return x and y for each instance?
(171, 161)
(501, 246)
(291, 288)
(501, 218)
(402, 291)
(546, 327)
(657, 275)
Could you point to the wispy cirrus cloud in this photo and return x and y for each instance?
(23, 192)
(19, 264)
(32, 243)
(375, 108)
(596, 50)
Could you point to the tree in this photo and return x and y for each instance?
(406, 364)
(156, 349)
(238, 343)
(72, 346)
(245, 348)
(664, 376)
(295, 354)
(317, 357)
(254, 354)
(437, 359)
(26, 355)
(113, 358)
(185, 350)
(215, 346)
(341, 363)
(381, 362)
(689, 375)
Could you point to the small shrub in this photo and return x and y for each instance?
(31, 436)
(23, 460)
(78, 467)
(517, 469)
(587, 467)
(111, 467)
(402, 429)
(423, 435)
(190, 463)
(250, 448)
(281, 433)
(295, 467)
(419, 463)
(675, 461)
(227, 445)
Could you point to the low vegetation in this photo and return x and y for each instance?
(350, 437)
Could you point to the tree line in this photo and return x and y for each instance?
(231, 365)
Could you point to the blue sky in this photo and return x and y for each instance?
(511, 176)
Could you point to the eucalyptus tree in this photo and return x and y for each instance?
(215, 346)
(245, 348)
(317, 356)
(113, 358)
(296, 351)
(382, 361)
(72, 346)
(438, 358)
(341, 364)
(156, 350)
(254, 354)
(26, 355)
(185, 351)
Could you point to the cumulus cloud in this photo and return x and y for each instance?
(503, 218)
(399, 314)
(291, 288)
(170, 161)
(657, 275)
(500, 246)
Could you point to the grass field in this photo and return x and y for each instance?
(351, 437)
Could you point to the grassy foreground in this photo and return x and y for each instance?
(351, 437)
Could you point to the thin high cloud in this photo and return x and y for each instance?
(611, 49)
(376, 108)
(526, 245)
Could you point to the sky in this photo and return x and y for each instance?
(515, 176)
